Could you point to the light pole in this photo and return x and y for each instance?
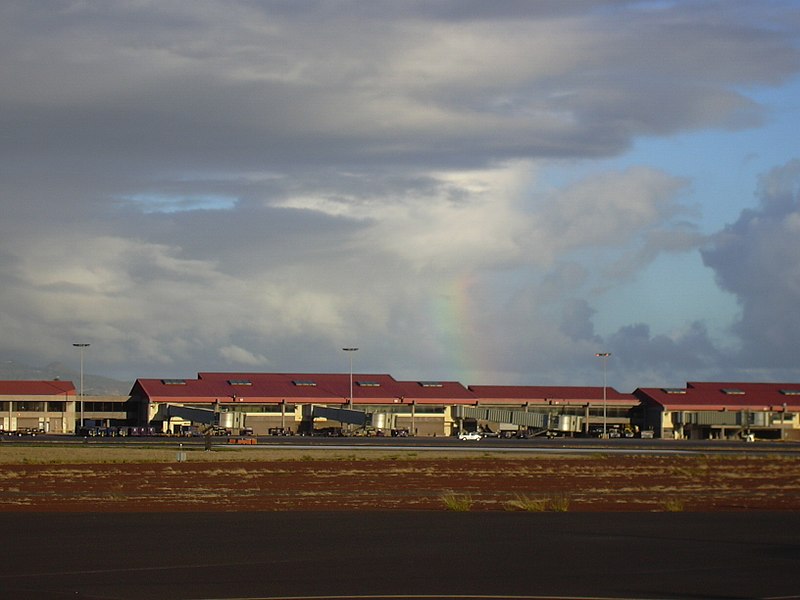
(604, 356)
(82, 347)
(783, 422)
(350, 351)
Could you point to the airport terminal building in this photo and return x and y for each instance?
(706, 410)
(37, 406)
(378, 404)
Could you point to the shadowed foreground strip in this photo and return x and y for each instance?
(143, 556)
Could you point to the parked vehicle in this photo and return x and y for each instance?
(470, 436)
(280, 431)
(31, 431)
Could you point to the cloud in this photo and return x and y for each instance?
(263, 183)
(756, 258)
(214, 85)
(609, 210)
(240, 356)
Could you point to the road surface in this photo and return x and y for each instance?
(424, 554)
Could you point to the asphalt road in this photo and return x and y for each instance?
(576, 445)
(436, 554)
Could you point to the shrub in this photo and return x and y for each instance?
(558, 503)
(457, 502)
(527, 503)
(672, 505)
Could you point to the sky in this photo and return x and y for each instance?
(483, 192)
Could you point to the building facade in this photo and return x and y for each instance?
(707, 410)
(306, 403)
(303, 403)
(37, 406)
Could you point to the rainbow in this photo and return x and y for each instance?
(454, 329)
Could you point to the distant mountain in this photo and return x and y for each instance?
(93, 385)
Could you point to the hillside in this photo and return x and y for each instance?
(93, 385)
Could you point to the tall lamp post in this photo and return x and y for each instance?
(783, 422)
(82, 347)
(350, 351)
(604, 356)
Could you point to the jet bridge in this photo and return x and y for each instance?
(545, 422)
(206, 416)
(343, 415)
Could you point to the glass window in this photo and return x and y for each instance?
(611, 411)
(29, 406)
(427, 409)
(104, 406)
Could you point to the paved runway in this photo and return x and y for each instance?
(424, 554)
(435, 444)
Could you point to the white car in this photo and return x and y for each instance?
(469, 435)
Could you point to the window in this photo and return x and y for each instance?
(104, 406)
(29, 406)
(733, 391)
(304, 383)
(611, 412)
(426, 409)
(790, 392)
(240, 382)
(673, 390)
(173, 381)
(55, 406)
(368, 384)
(430, 384)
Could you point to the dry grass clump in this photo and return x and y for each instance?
(526, 503)
(457, 502)
(673, 505)
(558, 503)
(551, 503)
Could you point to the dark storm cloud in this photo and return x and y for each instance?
(245, 86)
(756, 258)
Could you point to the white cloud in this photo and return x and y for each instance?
(311, 174)
(608, 210)
(240, 356)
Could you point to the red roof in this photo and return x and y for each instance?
(566, 394)
(295, 387)
(436, 392)
(36, 388)
(725, 395)
(273, 387)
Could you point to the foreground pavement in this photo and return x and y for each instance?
(400, 554)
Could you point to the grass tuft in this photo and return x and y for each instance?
(527, 503)
(558, 503)
(673, 505)
(554, 503)
(457, 502)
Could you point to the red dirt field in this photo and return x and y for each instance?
(593, 483)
